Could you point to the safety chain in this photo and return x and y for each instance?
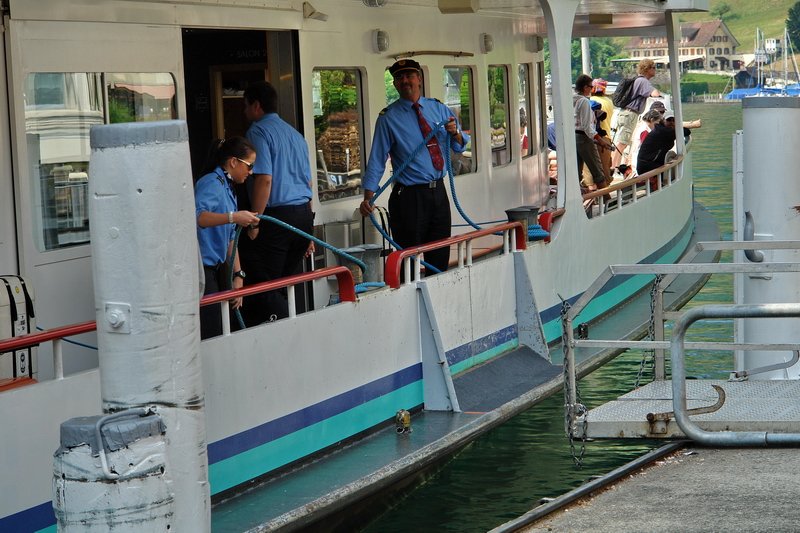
(572, 411)
(649, 356)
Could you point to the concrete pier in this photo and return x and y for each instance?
(693, 489)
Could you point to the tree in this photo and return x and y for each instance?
(602, 51)
(793, 24)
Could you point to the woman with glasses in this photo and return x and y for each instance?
(231, 162)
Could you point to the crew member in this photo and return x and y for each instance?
(419, 209)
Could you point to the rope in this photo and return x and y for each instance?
(76, 343)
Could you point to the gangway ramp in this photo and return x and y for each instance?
(748, 406)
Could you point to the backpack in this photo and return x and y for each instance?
(624, 93)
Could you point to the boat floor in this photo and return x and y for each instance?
(693, 490)
(758, 405)
(365, 467)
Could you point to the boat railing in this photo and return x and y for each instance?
(636, 188)
(665, 274)
(402, 258)
(344, 277)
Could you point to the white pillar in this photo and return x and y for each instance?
(145, 266)
(561, 14)
(770, 192)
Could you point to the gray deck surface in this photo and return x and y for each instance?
(758, 405)
(489, 395)
(694, 490)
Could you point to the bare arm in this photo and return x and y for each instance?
(262, 187)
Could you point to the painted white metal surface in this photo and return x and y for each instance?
(146, 296)
(770, 192)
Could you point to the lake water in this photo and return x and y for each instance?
(507, 471)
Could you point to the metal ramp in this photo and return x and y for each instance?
(716, 412)
(748, 406)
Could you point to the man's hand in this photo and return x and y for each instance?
(311, 249)
(365, 207)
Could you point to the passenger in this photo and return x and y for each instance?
(419, 209)
(604, 129)
(649, 120)
(626, 121)
(586, 137)
(551, 135)
(230, 161)
(658, 142)
(523, 132)
(280, 188)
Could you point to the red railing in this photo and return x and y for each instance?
(347, 293)
(395, 260)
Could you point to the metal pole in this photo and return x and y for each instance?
(146, 279)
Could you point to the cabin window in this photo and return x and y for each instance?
(338, 132)
(458, 95)
(140, 97)
(540, 103)
(60, 108)
(498, 114)
(525, 117)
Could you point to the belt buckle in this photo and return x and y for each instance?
(432, 184)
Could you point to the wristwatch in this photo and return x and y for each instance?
(239, 274)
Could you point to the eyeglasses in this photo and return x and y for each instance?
(248, 165)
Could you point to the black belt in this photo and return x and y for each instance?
(284, 208)
(429, 185)
(214, 268)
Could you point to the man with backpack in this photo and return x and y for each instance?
(636, 98)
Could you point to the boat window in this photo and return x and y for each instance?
(498, 114)
(338, 132)
(458, 95)
(140, 97)
(60, 108)
(526, 130)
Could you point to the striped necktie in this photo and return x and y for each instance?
(433, 145)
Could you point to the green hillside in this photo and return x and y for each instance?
(747, 15)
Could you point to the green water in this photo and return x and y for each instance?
(506, 472)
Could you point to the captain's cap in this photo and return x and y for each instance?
(402, 65)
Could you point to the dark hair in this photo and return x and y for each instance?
(223, 149)
(583, 81)
(264, 93)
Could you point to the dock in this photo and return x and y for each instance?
(691, 489)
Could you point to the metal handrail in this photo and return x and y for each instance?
(347, 293)
(689, 428)
(397, 258)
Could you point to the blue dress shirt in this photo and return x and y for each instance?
(213, 193)
(282, 153)
(397, 133)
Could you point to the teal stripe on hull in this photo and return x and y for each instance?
(608, 300)
(484, 356)
(241, 468)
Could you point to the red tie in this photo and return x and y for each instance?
(433, 146)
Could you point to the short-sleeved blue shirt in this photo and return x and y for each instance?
(214, 193)
(282, 153)
(397, 133)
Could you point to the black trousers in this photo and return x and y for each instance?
(276, 253)
(211, 315)
(419, 214)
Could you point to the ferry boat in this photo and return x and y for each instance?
(341, 366)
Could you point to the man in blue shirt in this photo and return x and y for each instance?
(419, 209)
(281, 188)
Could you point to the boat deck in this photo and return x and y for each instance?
(692, 490)
(350, 474)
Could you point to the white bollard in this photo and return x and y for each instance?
(144, 258)
(770, 191)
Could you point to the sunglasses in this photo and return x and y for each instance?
(248, 165)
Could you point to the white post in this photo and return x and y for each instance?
(144, 258)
